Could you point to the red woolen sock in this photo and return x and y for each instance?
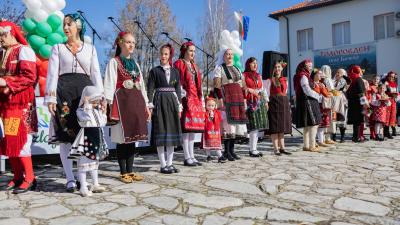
(17, 169)
(373, 133)
(28, 169)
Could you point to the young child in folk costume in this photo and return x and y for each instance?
(17, 105)
(320, 88)
(212, 132)
(326, 79)
(366, 110)
(192, 119)
(257, 105)
(341, 84)
(373, 89)
(392, 91)
(380, 101)
(89, 146)
(164, 93)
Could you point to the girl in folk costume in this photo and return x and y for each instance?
(89, 146)
(366, 110)
(257, 106)
(357, 101)
(320, 88)
(308, 114)
(341, 83)
(72, 66)
(373, 89)
(392, 91)
(192, 119)
(124, 86)
(17, 105)
(212, 132)
(279, 117)
(380, 102)
(164, 93)
(228, 87)
(326, 79)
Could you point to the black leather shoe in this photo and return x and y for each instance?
(277, 153)
(284, 152)
(13, 185)
(72, 189)
(186, 163)
(166, 170)
(173, 169)
(222, 159)
(32, 186)
(198, 163)
(209, 158)
(252, 154)
(235, 156)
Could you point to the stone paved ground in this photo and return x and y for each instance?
(347, 184)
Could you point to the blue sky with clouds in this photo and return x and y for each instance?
(263, 33)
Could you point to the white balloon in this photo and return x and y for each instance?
(235, 34)
(60, 14)
(87, 39)
(40, 15)
(28, 14)
(49, 5)
(60, 4)
(33, 5)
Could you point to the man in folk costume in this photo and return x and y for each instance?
(17, 105)
(392, 91)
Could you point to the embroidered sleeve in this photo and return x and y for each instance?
(52, 76)
(142, 86)
(27, 71)
(150, 88)
(305, 86)
(110, 80)
(267, 89)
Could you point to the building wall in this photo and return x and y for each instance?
(360, 13)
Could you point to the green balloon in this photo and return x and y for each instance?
(236, 58)
(29, 25)
(45, 51)
(65, 39)
(43, 29)
(36, 41)
(60, 30)
(54, 38)
(54, 21)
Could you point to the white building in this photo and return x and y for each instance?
(344, 30)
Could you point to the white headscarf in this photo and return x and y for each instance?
(92, 92)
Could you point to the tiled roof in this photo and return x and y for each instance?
(303, 6)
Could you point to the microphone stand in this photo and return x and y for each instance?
(94, 32)
(115, 24)
(208, 56)
(170, 38)
(153, 46)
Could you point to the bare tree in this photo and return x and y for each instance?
(155, 17)
(12, 10)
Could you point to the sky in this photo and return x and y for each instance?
(263, 31)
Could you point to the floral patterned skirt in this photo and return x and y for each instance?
(64, 126)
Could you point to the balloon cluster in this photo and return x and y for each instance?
(231, 40)
(43, 25)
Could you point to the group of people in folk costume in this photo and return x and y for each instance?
(81, 103)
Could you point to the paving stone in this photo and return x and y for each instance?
(299, 197)
(241, 222)
(292, 216)
(15, 221)
(355, 205)
(213, 202)
(122, 199)
(137, 187)
(235, 186)
(271, 186)
(9, 204)
(163, 202)
(74, 220)
(48, 212)
(249, 212)
(80, 201)
(178, 220)
(98, 208)
(215, 220)
(127, 213)
(43, 202)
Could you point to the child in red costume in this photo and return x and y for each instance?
(17, 105)
(392, 91)
(380, 102)
(212, 136)
(373, 89)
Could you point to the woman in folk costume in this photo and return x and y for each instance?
(308, 114)
(228, 87)
(257, 106)
(211, 140)
(326, 79)
(373, 89)
(17, 105)
(392, 91)
(124, 86)
(164, 93)
(320, 88)
(72, 66)
(279, 116)
(341, 84)
(357, 101)
(380, 102)
(89, 146)
(192, 119)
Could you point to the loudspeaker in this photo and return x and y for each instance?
(269, 57)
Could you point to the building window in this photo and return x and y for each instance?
(384, 26)
(341, 33)
(305, 40)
